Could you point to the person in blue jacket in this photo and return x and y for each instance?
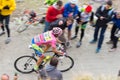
(115, 28)
(70, 10)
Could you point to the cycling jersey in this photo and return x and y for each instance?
(45, 38)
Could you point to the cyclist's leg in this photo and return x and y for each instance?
(46, 48)
(39, 52)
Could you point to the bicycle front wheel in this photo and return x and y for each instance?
(65, 63)
(25, 64)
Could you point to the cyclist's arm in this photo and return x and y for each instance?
(53, 45)
(56, 51)
(58, 41)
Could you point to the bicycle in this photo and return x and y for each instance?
(65, 62)
(29, 18)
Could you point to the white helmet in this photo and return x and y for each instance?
(74, 1)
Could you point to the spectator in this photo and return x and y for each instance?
(62, 23)
(116, 17)
(51, 71)
(83, 18)
(104, 14)
(70, 9)
(54, 12)
(116, 26)
(6, 77)
(6, 9)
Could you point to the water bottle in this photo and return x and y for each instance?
(47, 58)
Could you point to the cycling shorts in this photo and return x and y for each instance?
(37, 49)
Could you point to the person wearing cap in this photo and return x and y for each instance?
(70, 10)
(54, 12)
(104, 14)
(84, 16)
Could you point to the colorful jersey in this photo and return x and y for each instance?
(45, 38)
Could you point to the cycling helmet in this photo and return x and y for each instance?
(32, 14)
(57, 31)
(88, 9)
(73, 1)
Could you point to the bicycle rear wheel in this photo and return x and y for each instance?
(65, 63)
(22, 27)
(25, 64)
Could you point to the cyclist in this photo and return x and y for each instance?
(47, 39)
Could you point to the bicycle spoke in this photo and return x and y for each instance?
(25, 64)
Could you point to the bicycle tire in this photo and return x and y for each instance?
(22, 27)
(63, 62)
(17, 67)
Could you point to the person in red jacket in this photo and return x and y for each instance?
(54, 12)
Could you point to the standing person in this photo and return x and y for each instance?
(6, 9)
(104, 14)
(51, 72)
(116, 26)
(70, 9)
(54, 12)
(83, 18)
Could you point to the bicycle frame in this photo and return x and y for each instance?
(59, 47)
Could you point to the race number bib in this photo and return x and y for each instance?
(47, 36)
